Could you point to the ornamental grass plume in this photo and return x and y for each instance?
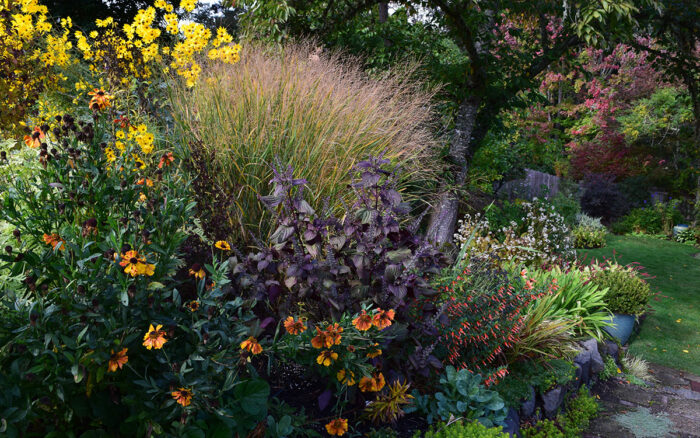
(320, 116)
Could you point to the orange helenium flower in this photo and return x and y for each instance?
(117, 360)
(183, 396)
(294, 327)
(54, 240)
(251, 344)
(154, 337)
(99, 100)
(346, 377)
(145, 181)
(383, 318)
(363, 322)
(326, 358)
(374, 352)
(34, 139)
(166, 160)
(333, 334)
(134, 264)
(372, 384)
(337, 427)
(193, 305)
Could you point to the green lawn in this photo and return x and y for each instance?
(670, 335)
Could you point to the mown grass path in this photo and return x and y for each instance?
(670, 335)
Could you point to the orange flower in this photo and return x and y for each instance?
(222, 245)
(55, 240)
(337, 427)
(193, 305)
(333, 334)
(363, 322)
(154, 337)
(326, 358)
(134, 264)
(99, 100)
(197, 272)
(117, 360)
(34, 140)
(251, 344)
(372, 384)
(122, 121)
(145, 181)
(374, 352)
(383, 318)
(294, 327)
(183, 396)
(166, 160)
(346, 377)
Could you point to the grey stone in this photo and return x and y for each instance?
(583, 361)
(579, 374)
(552, 400)
(597, 364)
(527, 408)
(612, 349)
(512, 423)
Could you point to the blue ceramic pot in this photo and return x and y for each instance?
(622, 327)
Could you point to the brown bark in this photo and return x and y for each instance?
(443, 221)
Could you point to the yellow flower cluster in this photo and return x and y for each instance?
(27, 50)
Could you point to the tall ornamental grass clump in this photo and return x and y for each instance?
(318, 113)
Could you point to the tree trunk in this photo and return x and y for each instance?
(383, 17)
(444, 218)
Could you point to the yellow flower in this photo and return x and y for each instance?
(188, 5)
(374, 352)
(327, 357)
(346, 377)
(196, 271)
(223, 245)
(154, 337)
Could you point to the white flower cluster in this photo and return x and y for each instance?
(543, 237)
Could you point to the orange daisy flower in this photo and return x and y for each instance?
(145, 181)
(326, 358)
(346, 377)
(166, 160)
(374, 352)
(193, 305)
(363, 322)
(34, 139)
(319, 341)
(135, 264)
(372, 384)
(99, 100)
(251, 344)
(333, 334)
(154, 337)
(294, 327)
(117, 360)
(383, 318)
(337, 427)
(54, 240)
(182, 396)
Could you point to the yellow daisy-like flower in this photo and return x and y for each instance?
(346, 377)
(223, 245)
(327, 357)
(154, 337)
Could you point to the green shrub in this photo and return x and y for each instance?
(570, 424)
(98, 245)
(687, 236)
(460, 394)
(576, 299)
(463, 429)
(628, 293)
(585, 237)
(541, 375)
(610, 369)
(567, 206)
(320, 116)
